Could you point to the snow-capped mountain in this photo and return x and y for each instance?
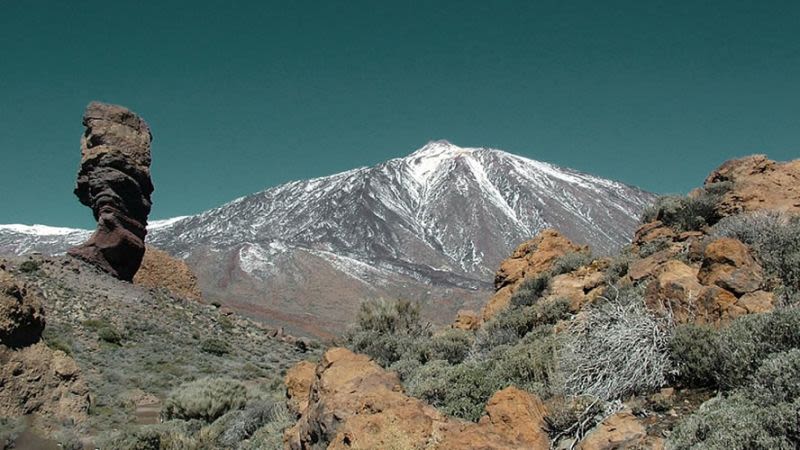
(432, 226)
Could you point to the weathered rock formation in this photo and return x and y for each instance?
(354, 403)
(758, 183)
(114, 180)
(529, 259)
(161, 270)
(21, 314)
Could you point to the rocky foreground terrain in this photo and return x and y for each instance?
(687, 339)
(94, 359)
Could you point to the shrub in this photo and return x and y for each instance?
(530, 291)
(687, 213)
(109, 334)
(778, 378)
(236, 426)
(654, 246)
(389, 317)
(694, 352)
(532, 364)
(205, 399)
(569, 262)
(751, 339)
(388, 331)
(737, 422)
(618, 267)
(616, 348)
(511, 324)
(460, 390)
(774, 238)
(30, 266)
(215, 346)
(452, 346)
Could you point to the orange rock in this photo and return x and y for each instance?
(674, 290)
(467, 320)
(160, 270)
(757, 302)
(353, 403)
(651, 231)
(727, 263)
(531, 258)
(758, 183)
(649, 266)
(298, 381)
(581, 286)
(620, 431)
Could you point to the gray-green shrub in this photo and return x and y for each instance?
(694, 350)
(569, 262)
(204, 399)
(616, 348)
(461, 390)
(688, 213)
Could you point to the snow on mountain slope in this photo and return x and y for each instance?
(430, 226)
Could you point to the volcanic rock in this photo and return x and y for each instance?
(114, 180)
(758, 183)
(728, 264)
(620, 431)
(160, 270)
(354, 403)
(21, 313)
(530, 258)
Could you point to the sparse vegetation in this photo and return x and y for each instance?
(775, 239)
(29, 266)
(206, 399)
(215, 346)
(688, 213)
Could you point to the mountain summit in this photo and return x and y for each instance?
(432, 226)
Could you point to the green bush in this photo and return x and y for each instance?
(388, 331)
(215, 346)
(452, 345)
(30, 266)
(778, 378)
(688, 213)
(751, 339)
(569, 262)
(109, 334)
(511, 324)
(738, 422)
(530, 291)
(532, 364)
(460, 391)
(694, 352)
(205, 399)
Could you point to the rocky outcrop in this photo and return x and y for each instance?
(353, 403)
(160, 270)
(580, 286)
(724, 285)
(758, 183)
(298, 381)
(39, 380)
(619, 431)
(531, 258)
(21, 314)
(114, 180)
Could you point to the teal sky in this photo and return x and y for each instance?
(250, 94)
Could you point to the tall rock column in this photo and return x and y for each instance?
(114, 180)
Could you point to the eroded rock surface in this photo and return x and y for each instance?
(531, 258)
(114, 180)
(21, 314)
(758, 183)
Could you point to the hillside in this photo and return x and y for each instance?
(122, 350)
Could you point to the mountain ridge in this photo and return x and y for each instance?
(431, 226)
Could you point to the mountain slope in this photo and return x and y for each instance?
(432, 227)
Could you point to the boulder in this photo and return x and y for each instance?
(44, 383)
(298, 382)
(160, 270)
(114, 181)
(757, 184)
(467, 320)
(619, 431)
(580, 286)
(353, 403)
(530, 259)
(651, 231)
(21, 313)
(727, 263)
(674, 291)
